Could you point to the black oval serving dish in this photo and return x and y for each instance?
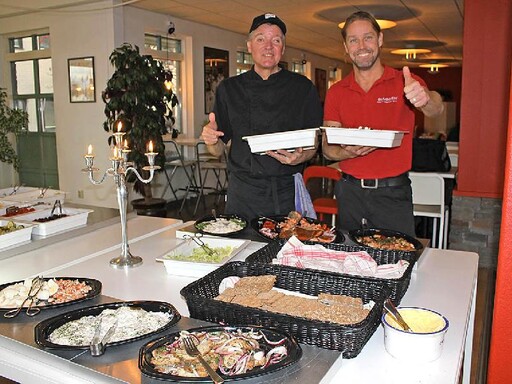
(43, 329)
(95, 291)
(200, 224)
(361, 232)
(258, 223)
(293, 348)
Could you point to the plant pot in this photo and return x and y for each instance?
(150, 207)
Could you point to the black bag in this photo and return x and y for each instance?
(430, 155)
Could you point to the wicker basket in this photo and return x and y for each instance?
(349, 339)
(398, 287)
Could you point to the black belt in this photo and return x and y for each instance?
(395, 181)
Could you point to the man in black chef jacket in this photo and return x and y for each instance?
(266, 99)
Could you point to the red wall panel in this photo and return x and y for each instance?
(485, 95)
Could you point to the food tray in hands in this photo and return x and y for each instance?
(365, 137)
(397, 287)
(75, 218)
(349, 339)
(288, 140)
(193, 268)
(17, 237)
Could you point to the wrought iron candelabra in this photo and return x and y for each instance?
(119, 170)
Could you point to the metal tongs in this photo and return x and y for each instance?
(42, 191)
(15, 189)
(36, 286)
(97, 346)
(56, 205)
(197, 239)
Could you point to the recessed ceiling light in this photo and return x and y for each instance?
(383, 23)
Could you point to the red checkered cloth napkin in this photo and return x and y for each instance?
(297, 254)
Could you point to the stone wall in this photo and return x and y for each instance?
(475, 226)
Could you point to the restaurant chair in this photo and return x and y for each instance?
(174, 160)
(216, 167)
(428, 197)
(326, 202)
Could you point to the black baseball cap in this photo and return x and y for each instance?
(268, 18)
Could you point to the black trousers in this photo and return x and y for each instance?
(384, 207)
(253, 197)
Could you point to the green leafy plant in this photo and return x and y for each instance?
(11, 121)
(137, 97)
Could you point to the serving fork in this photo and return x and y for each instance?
(35, 287)
(192, 350)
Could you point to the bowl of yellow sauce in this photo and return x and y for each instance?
(424, 343)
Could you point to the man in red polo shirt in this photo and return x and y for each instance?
(375, 184)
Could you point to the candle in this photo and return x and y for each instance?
(119, 126)
(150, 146)
(89, 151)
(125, 144)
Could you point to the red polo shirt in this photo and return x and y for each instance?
(384, 106)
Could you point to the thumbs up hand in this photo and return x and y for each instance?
(414, 91)
(210, 133)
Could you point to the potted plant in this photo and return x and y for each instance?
(13, 121)
(138, 102)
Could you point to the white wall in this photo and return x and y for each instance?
(96, 34)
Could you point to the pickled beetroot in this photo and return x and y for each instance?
(50, 218)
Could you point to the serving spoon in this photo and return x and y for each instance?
(391, 309)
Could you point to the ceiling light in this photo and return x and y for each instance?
(434, 67)
(410, 53)
(383, 23)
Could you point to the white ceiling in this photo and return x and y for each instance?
(312, 24)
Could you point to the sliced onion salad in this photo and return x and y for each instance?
(237, 351)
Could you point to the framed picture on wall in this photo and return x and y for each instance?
(81, 80)
(321, 83)
(216, 68)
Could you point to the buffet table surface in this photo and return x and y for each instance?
(443, 280)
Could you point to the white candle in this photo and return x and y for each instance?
(119, 126)
(89, 150)
(150, 146)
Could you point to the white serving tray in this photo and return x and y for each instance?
(15, 238)
(77, 217)
(289, 140)
(4, 204)
(197, 269)
(34, 196)
(366, 137)
(8, 192)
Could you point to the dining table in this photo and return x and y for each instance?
(444, 280)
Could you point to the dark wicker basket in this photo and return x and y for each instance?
(349, 339)
(398, 287)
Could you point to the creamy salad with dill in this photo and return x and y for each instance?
(222, 225)
(132, 322)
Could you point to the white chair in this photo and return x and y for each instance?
(429, 201)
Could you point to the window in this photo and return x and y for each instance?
(243, 62)
(169, 52)
(298, 68)
(32, 80)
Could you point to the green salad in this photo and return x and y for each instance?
(202, 256)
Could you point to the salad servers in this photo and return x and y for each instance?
(197, 239)
(192, 350)
(97, 346)
(391, 309)
(36, 286)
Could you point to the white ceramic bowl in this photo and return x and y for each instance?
(426, 341)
